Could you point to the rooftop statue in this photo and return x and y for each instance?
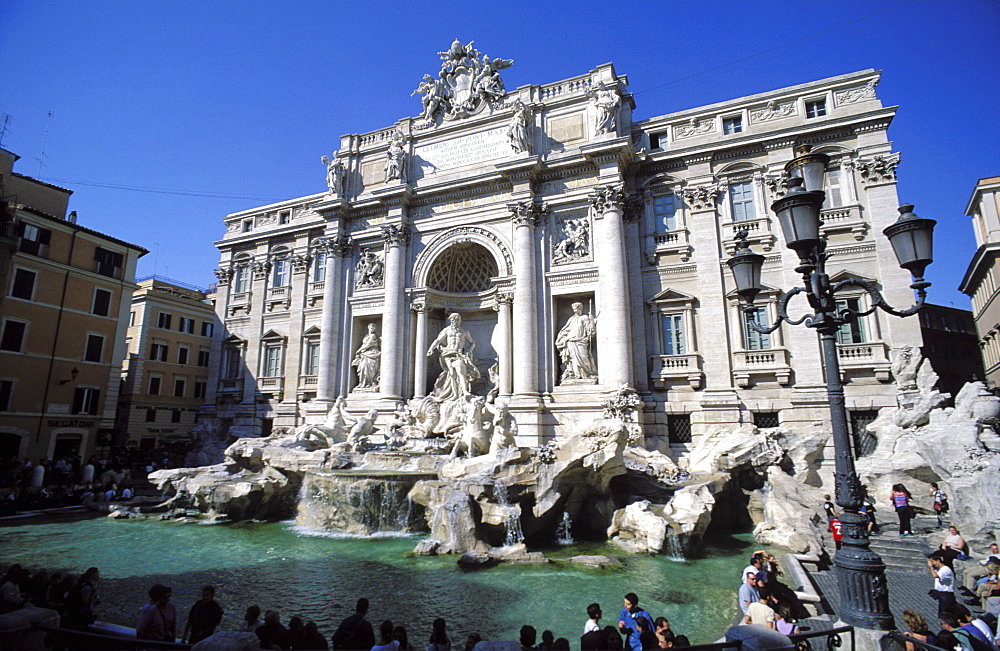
(335, 176)
(468, 81)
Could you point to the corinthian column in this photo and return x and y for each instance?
(420, 359)
(337, 248)
(614, 327)
(394, 315)
(524, 216)
(502, 307)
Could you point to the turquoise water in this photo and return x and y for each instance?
(320, 577)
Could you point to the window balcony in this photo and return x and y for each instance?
(271, 386)
(675, 241)
(758, 232)
(309, 381)
(761, 363)
(870, 357)
(231, 385)
(846, 219)
(675, 369)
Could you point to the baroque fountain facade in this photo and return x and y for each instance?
(511, 312)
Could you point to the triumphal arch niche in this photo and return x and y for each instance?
(536, 249)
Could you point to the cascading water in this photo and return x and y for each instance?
(358, 503)
(564, 532)
(513, 534)
(672, 547)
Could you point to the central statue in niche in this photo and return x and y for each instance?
(573, 343)
(454, 346)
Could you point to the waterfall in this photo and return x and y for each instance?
(356, 503)
(564, 532)
(513, 534)
(672, 546)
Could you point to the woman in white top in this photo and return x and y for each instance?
(386, 643)
(439, 637)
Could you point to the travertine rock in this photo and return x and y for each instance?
(730, 449)
(789, 506)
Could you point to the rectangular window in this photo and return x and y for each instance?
(131, 318)
(272, 361)
(673, 334)
(765, 418)
(247, 225)
(753, 340)
(204, 357)
(280, 277)
(182, 355)
(241, 279)
(108, 262)
(95, 348)
(24, 284)
(834, 199)
(234, 361)
(665, 212)
(732, 125)
(311, 358)
(102, 302)
(85, 401)
(163, 320)
(158, 352)
(200, 390)
(13, 335)
(175, 416)
(679, 428)
(284, 217)
(319, 267)
(186, 325)
(815, 108)
(207, 328)
(150, 415)
(741, 201)
(154, 385)
(180, 386)
(657, 140)
(864, 441)
(852, 332)
(33, 238)
(6, 391)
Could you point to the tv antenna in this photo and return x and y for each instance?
(3, 127)
(45, 140)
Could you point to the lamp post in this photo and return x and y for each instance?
(860, 572)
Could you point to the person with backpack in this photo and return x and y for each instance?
(82, 600)
(355, 632)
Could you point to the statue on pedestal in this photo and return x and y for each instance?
(335, 176)
(395, 159)
(517, 131)
(573, 343)
(606, 103)
(367, 359)
(454, 346)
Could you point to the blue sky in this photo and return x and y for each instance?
(166, 116)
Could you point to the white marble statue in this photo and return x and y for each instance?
(573, 343)
(363, 428)
(504, 429)
(488, 83)
(369, 270)
(517, 130)
(434, 95)
(454, 346)
(606, 104)
(335, 175)
(574, 243)
(395, 159)
(367, 359)
(474, 439)
(905, 366)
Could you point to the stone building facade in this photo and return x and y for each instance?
(951, 346)
(63, 311)
(583, 251)
(165, 377)
(982, 278)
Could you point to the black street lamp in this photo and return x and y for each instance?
(861, 573)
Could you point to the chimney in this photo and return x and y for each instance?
(71, 218)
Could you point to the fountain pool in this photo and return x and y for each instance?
(320, 576)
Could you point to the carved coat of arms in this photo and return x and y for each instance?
(468, 82)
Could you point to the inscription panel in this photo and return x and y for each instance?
(464, 150)
(566, 129)
(372, 172)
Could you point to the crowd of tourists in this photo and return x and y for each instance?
(764, 599)
(67, 481)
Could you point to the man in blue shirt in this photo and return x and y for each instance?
(627, 623)
(748, 591)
